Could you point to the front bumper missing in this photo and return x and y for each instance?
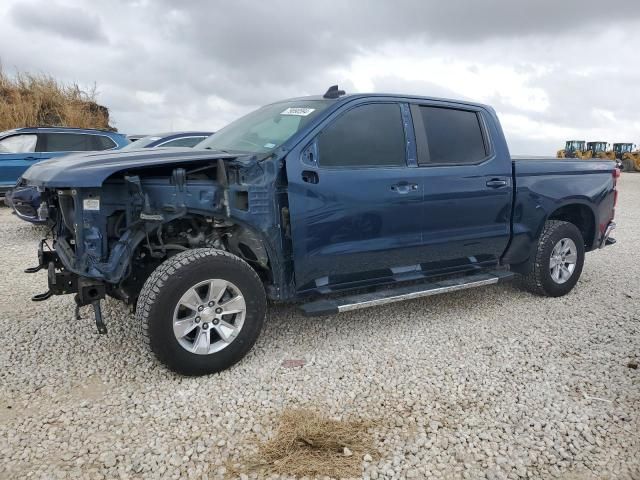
(62, 282)
(606, 238)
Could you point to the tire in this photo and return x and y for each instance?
(213, 340)
(540, 279)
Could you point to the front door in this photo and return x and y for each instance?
(355, 204)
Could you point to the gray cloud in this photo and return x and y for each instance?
(203, 62)
(69, 22)
(616, 92)
(262, 37)
(391, 83)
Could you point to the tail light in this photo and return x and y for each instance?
(616, 174)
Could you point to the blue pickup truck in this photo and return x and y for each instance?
(336, 201)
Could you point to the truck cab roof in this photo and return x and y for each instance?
(348, 97)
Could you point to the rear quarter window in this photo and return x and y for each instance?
(102, 142)
(448, 135)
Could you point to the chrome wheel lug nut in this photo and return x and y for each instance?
(211, 304)
(218, 310)
(200, 308)
(197, 319)
(205, 326)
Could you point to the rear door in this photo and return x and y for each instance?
(355, 205)
(17, 153)
(467, 186)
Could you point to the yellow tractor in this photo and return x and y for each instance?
(629, 157)
(598, 150)
(601, 150)
(573, 149)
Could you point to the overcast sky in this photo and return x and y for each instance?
(553, 70)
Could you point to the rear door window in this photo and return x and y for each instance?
(369, 135)
(65, 142)
(19, 144)
(448, 136)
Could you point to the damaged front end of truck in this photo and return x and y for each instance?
(115, 218)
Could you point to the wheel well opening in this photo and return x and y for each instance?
(184, 233)
(247, 253)
(582, 217)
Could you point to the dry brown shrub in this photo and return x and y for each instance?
(38, 100)
(308, 443)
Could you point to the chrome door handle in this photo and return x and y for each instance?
(496, 183)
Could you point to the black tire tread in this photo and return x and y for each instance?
(156, 281)
(533, 280)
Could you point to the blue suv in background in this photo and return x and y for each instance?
(22, 147)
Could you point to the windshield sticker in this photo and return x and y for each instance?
(299, 111)
(269, 145)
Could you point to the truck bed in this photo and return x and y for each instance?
(548, 184)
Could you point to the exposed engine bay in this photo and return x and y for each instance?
(108, 240)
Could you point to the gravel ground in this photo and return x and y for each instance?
(490, 382)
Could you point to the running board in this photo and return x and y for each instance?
(398, 294)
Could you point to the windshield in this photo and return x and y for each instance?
(267, 128)
(142, 143)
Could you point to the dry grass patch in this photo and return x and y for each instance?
(28, 100)
(308, 443)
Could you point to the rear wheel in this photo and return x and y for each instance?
(557, 264)
(201, 311)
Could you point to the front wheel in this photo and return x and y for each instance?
(557, 263)
(201, 311)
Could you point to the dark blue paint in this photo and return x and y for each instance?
(350, 228)
(92, 169)
(352, 223)
(25, 202)
(544, 186)
(340, 228)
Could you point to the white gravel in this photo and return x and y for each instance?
(489, 383)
